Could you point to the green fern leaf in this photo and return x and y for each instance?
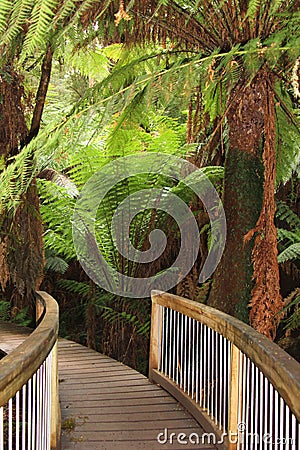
(290, 253)
(5, 9)
(284, 213)
(40, 23)
(253, 8)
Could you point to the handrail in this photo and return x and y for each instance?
(194, 348)
(22, 370)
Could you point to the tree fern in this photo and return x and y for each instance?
(5, 8)
(40, 21)
(19, 13)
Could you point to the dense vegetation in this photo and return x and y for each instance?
(85, 83)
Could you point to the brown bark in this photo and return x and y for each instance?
(243, 191)
(266, 301)
(251, 247)
(13, 127)
(25, 252)
(41, 95)
(21, 243)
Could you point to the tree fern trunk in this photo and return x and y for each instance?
(243, 193)
(21, 243)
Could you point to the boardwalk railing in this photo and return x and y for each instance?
(239, 385)
(29, 407)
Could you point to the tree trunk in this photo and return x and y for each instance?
(243, 193)
(21, 243)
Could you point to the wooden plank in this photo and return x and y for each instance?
(127, 408)
(100, 378)
(152, 402)
(118, 422)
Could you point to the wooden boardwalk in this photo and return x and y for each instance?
(107, 405)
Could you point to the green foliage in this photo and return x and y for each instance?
(57, 210)
(288, 142)
(19, 317)
(292, 322)
(288, 239)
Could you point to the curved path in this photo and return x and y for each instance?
(107, 405)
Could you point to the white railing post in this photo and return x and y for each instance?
(155, 337)
(235, 398)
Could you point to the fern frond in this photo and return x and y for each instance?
(56, 264)
(253, 7)
(5, 9)
(284, 213)
(20, 12)
(289, 236)
(290, 253)
(40, 22)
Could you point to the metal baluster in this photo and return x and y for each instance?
(262, 408)
(294, 432)
(267, 405)
(33, 436)
(10, 423)
(170, 342)
(287, 424)
(213, 380)
(163, 338)
(24, 417)
(204, 366)
(197, 362)
(276, 414)
(38, 406)
(217, 378)
(185, 354)
(281, 421)
(189, 357)
(271, 409)
(225, 378)
(1, 429)
(247, 401)
(208, 370)
(256, 403)
(193, 359)
(18, 420)
(201, 366)
(252, 410)
(181, 353)
(174, 345)
(177, 347)
(221, 393)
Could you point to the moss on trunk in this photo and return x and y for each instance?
(243, 194)
(232, 282)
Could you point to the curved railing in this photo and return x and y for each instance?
(29, 407)
(238, 384)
